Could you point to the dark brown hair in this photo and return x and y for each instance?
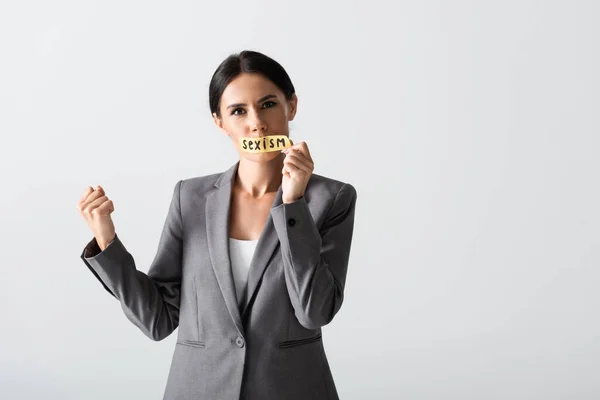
(251, 62)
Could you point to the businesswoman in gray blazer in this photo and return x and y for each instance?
(251, 262)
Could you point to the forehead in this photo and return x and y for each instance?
(249, 86)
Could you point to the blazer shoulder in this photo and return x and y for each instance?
(199, 184)
(324, 185)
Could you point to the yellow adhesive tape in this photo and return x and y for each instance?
(264, 144)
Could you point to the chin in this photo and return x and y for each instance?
(262, 157)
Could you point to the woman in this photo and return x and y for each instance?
(251, 262)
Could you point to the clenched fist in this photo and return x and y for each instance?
(96, 208)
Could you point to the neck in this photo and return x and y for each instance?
(259, 178)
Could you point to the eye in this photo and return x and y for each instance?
(271, 104)
(234, 112)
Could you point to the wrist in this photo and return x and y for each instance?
(103, 244)
(287, 201)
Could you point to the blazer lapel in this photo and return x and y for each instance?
(217, 211)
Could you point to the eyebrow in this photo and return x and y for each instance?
(267, 97)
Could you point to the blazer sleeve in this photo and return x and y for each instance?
(150, 301)
(316, 262)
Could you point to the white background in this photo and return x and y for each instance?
(470, 130)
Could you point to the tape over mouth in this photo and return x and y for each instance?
(264, 144)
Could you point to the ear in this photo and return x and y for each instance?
(219, 123)
(292, 106)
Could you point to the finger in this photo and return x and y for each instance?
(95, 204)
(88, 190)
(91, 197)
(81, 202)
(293, 170)
(296, 163)
(106, 208)
(300, 159)
(285, 149)
(301, 154)
(302, 147)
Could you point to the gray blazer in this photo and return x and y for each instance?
(271, 347)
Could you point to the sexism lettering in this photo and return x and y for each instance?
(265, 144)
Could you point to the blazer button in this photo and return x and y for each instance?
(291, 222)
(239, 341)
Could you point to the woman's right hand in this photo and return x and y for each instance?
(95, 208)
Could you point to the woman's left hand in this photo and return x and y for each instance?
(297, 170)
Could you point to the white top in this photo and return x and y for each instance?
(240, 254)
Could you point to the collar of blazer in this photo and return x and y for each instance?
(217, 222)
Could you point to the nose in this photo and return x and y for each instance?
(256, 122)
